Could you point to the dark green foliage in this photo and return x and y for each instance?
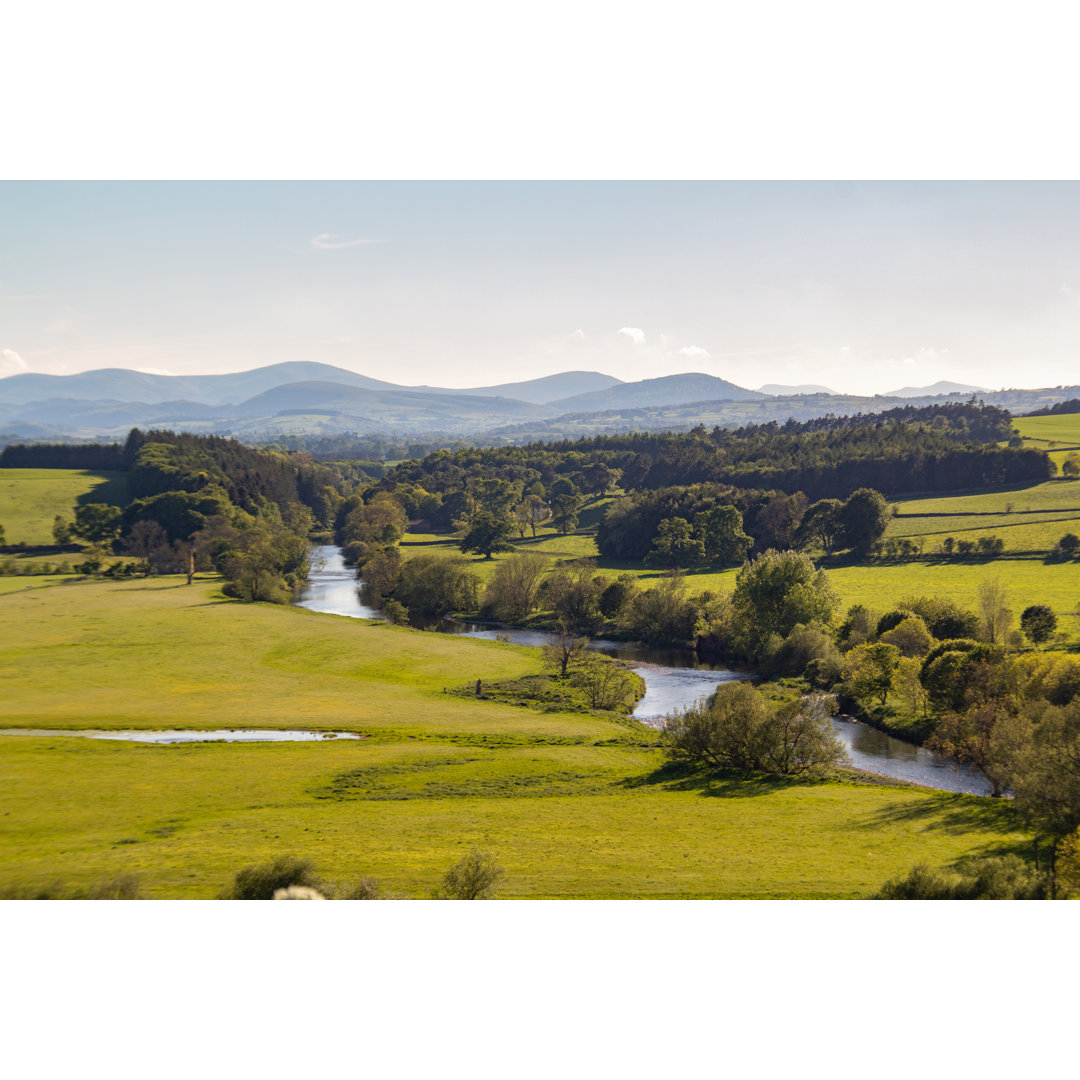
(890, 620)
(821, 524)
(487, 533)
(180, 513)
(738, 728)
(949, 669)
(616, 595)
(864, 518)
(944, 618)
(475, 877)
(675, 545)
(97, 523)
(261, 882)
(1004, 878)
(1039, 623)
(1069, 544)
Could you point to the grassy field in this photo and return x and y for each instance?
(878, 585)
(31, 498)
(1058, 435)
(573, 805)
(1028, 518)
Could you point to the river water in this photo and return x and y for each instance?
(674, 679)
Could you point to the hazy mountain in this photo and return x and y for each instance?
(779, 390)
(120, 384)
(545, 390)
(666, 390)
(938, 388)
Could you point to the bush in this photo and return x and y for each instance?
(1004, 878)
(739, 729)
(803, 646)
(607, 685)
(261, 882)
(434, 585)
(121, 887)
(472, 878)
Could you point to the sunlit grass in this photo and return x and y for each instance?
(31, 498)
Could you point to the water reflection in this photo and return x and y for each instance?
(674, 679)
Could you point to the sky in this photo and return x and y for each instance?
(860, 286)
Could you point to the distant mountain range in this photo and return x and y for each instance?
(937, 388)
(310, 398)
(778, 390)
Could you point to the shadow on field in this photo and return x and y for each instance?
(962, 813)
(716, 784)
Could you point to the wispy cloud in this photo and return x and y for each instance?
(327, 241)
(11, 363)
(634, 333)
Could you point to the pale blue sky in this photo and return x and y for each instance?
(862, 286)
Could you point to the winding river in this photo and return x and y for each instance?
(674, 678)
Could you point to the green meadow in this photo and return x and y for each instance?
(573, 804)
(31, 498)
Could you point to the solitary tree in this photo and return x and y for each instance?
(487, 534)
(1039, 623)
(863, 520)
(565, 648)
(995, 616)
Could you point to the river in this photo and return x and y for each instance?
(674, 678)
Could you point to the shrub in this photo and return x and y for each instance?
(739, 729)
(367, 888)
(261, 882)
(606, 685)
(1004, 878)
(474, 877)
(803, 646)
(433, 585)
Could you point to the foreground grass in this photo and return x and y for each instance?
(573, 805)
(584, 822)
(31, 498)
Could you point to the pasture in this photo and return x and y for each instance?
(31, 498)
(573, 805)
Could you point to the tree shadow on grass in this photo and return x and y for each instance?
(712, 783)
(960, 813)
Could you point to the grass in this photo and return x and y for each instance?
(31, 498)
(572, 805)
(574, 822)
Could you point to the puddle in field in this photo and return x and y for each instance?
(222, 735)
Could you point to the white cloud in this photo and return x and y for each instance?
(11, 363)
(695, 352)
(634, 333)
(326, 241)
(577, 335)
(154, 371)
